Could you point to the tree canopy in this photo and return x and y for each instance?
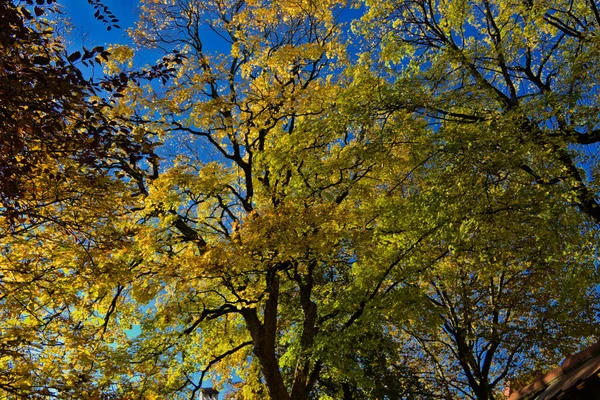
(384, 199)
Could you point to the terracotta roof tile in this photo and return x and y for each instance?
(574, 369)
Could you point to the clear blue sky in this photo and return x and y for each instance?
(91, 32)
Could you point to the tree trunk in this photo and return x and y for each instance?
(263, 338)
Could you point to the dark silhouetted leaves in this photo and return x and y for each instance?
(41, 60)
(74, 56)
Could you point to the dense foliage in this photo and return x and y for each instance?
(394, 199)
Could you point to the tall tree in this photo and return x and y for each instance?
(60, 143)
(284, 213)
(514, 270)
(526, 69)
(506, 88)
(257, 228)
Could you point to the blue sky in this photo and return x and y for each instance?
(91, 32)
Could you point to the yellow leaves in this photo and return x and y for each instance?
(284, 61)
(121, 57)
(167, 192)
(291, 232)
(282, 167)
(144, 293)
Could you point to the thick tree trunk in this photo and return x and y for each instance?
(263, 337)
(304, 378)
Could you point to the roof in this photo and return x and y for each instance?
(575, 373)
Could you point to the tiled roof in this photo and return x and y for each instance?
(575, 370)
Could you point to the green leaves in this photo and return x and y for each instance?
(315, 227)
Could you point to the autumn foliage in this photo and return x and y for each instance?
(383, 199)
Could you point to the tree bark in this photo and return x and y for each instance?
(263, 338)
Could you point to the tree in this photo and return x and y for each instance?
(266, 227)
(513, 272)
(60, 143)
(51, 113)
(526, 67)
(504, 87)
(245, 252)
(288, 215)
